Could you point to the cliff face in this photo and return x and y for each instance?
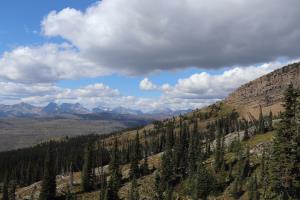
(266, 91)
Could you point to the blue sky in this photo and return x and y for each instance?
(22, 27)
(142, 55)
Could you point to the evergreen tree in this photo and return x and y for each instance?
(145, 165)
(167, 169)
(283, 154)
(270, 122)
(69, 195)
(264, 172)
(202, 183)
(87, 177)
(170, 135)
(253, 192)
(12, 191)
(246, 132)
(103, 185)
(158, 191)
(135, 156)
(192, 159)
(48, 190)
(115, 175)
(219, 148)
(182, 154)
(236, 189)
(5, 195)
(134, 190)
(169, 194)
(261, 121)
(246, 164)
(296, 147)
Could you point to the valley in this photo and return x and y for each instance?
(217, 152)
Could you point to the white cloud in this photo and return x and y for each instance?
(196, 91)
(137, 37)
(145, 84)
(203, 88)
(46, 64)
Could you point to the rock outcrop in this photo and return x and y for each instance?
(266, 91)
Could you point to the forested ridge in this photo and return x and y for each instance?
(210, 153)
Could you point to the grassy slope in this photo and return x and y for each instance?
(146, 183)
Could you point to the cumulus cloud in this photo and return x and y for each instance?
(137, 37)
(207, 88)
(45, 64)
(145, 84)
(140, 37)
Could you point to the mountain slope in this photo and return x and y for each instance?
(266, 91)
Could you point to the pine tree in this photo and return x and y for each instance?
(135, 156)
(12, 191)
(192, 153)
(202, 183)
(103, 185)
(283, 154)
(296, 147)
(145, 165)
(48, 190)
(219, 149)
(263, 172)
(115, 175)
(236, 188)
(5, 195)
(134, 190)
(261, 121)
(246, 132)
(246, 164)
(87, 177)
(253, 192)
(182, 153)
(270, 121)
(158, 191)
(69, 195)
(167, 169)
(170, 135)
(169, 194)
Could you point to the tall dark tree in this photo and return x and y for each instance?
(270, 121)
(115, 174)
(246, 132)
(87, 177)
(202, 183)
(5, 195)
(158, 191)
(283, 155)
(253, 192)
(48, 190)
(12, 191)
(169, 194)
(192, 155)
(135, 157)
(219, 148)
(167, 169)
(145, 165)
(261, 121)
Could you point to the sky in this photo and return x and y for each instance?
(145, 55)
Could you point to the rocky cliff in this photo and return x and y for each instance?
(266, 91)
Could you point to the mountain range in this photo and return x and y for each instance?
(69, 110)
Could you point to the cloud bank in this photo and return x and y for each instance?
(142, 37)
